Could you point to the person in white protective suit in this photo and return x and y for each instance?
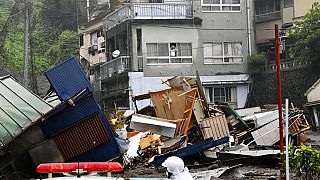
(175, 169)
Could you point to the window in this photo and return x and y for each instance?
(288, 3)
(93, 38)
(222, 94)
(225, 52)
(220, 5)
(81, 40)
(165, 53)
(267, 6)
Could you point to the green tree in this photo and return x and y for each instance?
(306, 34)
(256, 63)
(68, 44)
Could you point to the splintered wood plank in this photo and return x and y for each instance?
(189, 103)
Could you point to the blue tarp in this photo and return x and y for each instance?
(68, 79)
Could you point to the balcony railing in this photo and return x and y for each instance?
(118, 65)
(286, 64)
(149, 11)
(268, 16)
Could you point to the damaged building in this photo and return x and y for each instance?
(35, 131)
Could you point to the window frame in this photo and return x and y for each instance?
(170, 59)
(210, 92)
(221, 5)
(223, 56)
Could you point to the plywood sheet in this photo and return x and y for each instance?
(168, 104)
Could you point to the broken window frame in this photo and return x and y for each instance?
(160, 53)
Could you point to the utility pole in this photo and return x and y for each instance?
(282, 172)
(26, 44)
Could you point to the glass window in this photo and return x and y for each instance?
(227, 52)
(151, 49)
(217, 49)
(161, 53)
(93, 38)
(220, 5)
(222, 94)
(163, 49)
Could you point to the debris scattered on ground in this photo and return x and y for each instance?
(179, 122)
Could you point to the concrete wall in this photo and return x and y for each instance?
(154, 34)
(265, 31)
(301, 7)
(295, 83)
(287, 15)
(139, 84)
(242, 93)
(216, 27)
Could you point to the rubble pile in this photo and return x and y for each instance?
(68, 125)
(181, 123)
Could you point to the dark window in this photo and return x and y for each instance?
(139, 38)
(81, 40)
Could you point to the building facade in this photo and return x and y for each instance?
(281, 12)
(161, 39)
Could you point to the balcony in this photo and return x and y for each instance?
(149, 11)
(116, 66)
(270, 16)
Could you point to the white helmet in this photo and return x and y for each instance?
(174, 165)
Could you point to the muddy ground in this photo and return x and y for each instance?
(248, 172)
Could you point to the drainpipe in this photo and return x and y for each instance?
(249, 27)
(88, 11)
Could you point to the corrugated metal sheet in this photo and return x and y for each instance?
(68, 79)
(66, 116)
(82, 137)
(215, 127)
(19, 107)
(103, 152)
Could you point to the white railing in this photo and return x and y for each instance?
(116, 66)
(286, 64)
(149, 11)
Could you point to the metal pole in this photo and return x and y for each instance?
(279, 97)
(26, 34)
(287, 139)
(88, 10)
(249, 28)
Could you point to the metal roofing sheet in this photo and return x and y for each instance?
(68, 79)
(19, 107)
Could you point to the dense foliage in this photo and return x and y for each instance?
(256, 63)
(305, 161)
(52, 34)
(306, 34)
